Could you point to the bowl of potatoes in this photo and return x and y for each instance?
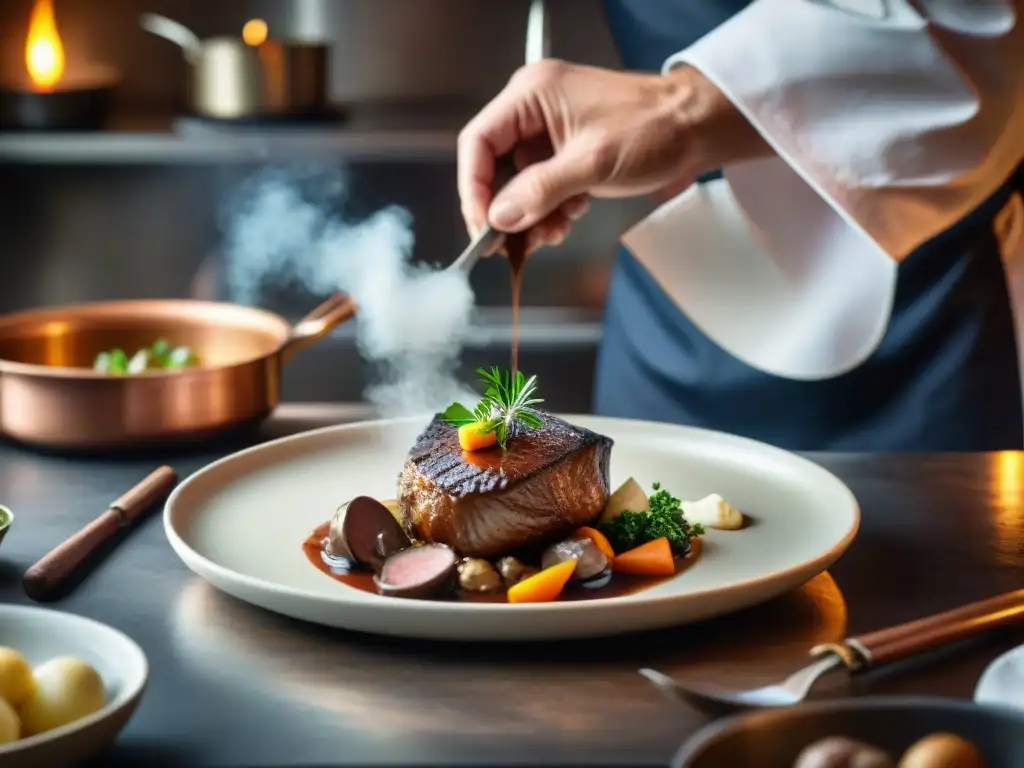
(883, 732)
(68, 685)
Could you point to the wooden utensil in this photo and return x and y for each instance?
(894, 643)
(44, 579)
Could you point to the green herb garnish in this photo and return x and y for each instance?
(663, 518)
(508, 401)
(159, 357)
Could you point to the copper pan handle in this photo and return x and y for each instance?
(317, 324)
(895, 643)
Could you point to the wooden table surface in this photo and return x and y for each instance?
(232, 685)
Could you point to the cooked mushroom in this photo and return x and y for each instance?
(513, 570)
(590, 561)
(365, 532)
(841, 752)
(476, 575)
(418, 572)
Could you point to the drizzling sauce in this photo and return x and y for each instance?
(515, 247)
(613, 585)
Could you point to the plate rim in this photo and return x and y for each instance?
(118, 703)
(819, 563)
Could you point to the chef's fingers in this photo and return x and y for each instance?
(555, 227)
(513, 116)
(541, 188)
(576, 207)
(535, 150)
(524, 155)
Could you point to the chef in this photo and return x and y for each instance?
(847, 272)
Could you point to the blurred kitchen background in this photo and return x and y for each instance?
(137, 208)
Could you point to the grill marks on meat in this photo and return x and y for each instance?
(487, 503)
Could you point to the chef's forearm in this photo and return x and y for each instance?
(718, 133)
(903, 125)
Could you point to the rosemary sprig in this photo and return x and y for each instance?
(507, 400)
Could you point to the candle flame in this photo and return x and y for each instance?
(254, 32)
(44, 51)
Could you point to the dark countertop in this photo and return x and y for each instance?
(231, 685)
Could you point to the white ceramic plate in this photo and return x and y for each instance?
(1002, 683)
(240, 523)
(40, 635)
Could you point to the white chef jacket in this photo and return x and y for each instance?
(891, 122)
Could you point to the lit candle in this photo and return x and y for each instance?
(44, 51)
(51, 99)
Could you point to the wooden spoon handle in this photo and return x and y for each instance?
(44, 578)
(894, 643)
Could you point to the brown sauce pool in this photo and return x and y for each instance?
(614, 585)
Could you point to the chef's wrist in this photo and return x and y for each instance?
(715, 133)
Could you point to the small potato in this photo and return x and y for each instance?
(15, 677)
(628, 497)
(66, 689)
(942, 750)
(841, 752)
(10, 725)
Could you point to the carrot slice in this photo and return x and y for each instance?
(651, 559)
(542, 587)
(472, 438)
(599, 539)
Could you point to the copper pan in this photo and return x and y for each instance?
(51, 397)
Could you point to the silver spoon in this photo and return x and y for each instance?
(489, 239)
(855, 655)
(538, 46)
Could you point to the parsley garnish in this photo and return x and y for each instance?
(507, 401)
(663, 518)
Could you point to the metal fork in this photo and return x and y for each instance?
(856, 654)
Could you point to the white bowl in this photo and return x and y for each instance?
(41, 634)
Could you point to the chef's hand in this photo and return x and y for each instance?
(582, 131)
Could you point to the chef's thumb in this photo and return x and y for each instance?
(539, 189)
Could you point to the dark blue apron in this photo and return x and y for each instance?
(945, 377)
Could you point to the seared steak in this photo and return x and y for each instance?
(486, 503)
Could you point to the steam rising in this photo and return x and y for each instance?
(288, 227)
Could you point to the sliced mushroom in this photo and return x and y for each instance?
(590, 561)
(365, 532)
(476, 575)
(513, 570)
(418, 572)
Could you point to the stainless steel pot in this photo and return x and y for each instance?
(232, 79)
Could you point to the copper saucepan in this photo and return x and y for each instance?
(51, 397)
